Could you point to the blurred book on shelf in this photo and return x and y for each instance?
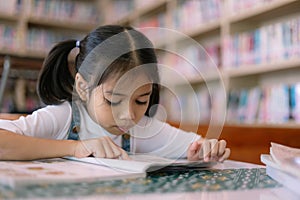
(267, 44)
(10, 7)
(20, 96)
(8, 35)
(65, 10)
(202, 11)
(238, 6)
(273, 104)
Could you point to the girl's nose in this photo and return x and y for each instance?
(127, 114)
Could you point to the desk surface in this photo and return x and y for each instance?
(230, 180)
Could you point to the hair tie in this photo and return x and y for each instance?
(78, 43)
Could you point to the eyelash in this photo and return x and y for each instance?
(112, 103)
(141, 102)
(117, 103)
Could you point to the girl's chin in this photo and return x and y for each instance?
(115, 131)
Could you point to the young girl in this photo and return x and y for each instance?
(104, 109)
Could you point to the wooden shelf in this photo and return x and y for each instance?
(204, 28)
(288, 125)
(248, 70)
(267, 11)
(199, 80)
(65, 24)
(151, 7)
(9, 17)
(18, 62)
(245, 71)
(35, 54)
(5, 51)
(181, 36)
(263, 68)
(139, 12)
(9, 116)
(25, 54)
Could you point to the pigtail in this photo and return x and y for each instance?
(55, 83)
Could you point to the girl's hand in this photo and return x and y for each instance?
(208, 150)
(102, 147)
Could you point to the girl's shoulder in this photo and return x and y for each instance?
(62, 108)
(51, 121)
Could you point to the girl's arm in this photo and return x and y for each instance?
(39, 135)
(19, 147)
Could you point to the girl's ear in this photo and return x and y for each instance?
(81, 87)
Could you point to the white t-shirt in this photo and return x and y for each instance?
(148, 136)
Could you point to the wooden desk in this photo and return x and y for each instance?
(247, 143)
(10, 116)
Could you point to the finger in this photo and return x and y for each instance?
(99, 152)
(214, 148)
(206, 150)
(116, 151)
(115, 148)
(222, 146)
(124, 155)
(193, 151)
(194, 146)
(225, 155)
(200, 152)
(107, 148)
(82, 150)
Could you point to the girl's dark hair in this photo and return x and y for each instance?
(122, 48)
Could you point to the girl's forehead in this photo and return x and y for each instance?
(127, 83)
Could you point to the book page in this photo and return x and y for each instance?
(17, 173)
(138, 163)
(144, 163)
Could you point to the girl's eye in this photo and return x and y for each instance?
(141, 102)
(112, 103)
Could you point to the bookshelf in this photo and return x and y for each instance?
(75, 18)
(30, 28)
(269, 72)
(229, 20)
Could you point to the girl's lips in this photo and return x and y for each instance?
(125, 130)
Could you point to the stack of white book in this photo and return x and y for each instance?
(283, 165)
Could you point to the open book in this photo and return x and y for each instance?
(69, 170)
(143, 163)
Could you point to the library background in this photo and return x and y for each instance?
(255, 45)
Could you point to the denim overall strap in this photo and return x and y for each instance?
(126, 142)
(75, 123)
